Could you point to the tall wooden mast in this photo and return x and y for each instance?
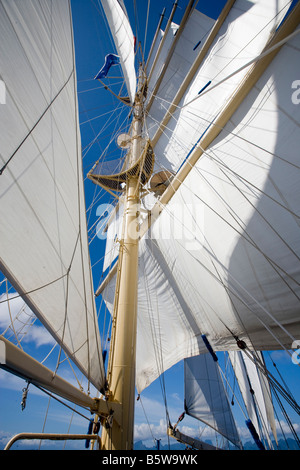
(121, 368)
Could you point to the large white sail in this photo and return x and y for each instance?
(43, 236)
(222, 259)
(242, 36)
(205, 396)
(116, 15)
(256, 394)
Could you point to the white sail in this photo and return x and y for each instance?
(205, 396)
(171, 72)
(226, 242)
(116, 15)
(243, 35)
(256, 395)
(43, 236)
(113, 234)
(223, 257)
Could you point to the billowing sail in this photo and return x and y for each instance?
(43, 236)
(205, 396)
(116, 15)
(223, 256)
(112, 233)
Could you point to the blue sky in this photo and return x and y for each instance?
(92, 43)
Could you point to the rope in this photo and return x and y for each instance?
(146, 417)
(272, 381)
(252, 61)
(35, 125)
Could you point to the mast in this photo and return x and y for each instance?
(121, 368)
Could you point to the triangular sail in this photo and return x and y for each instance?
(43, 236)
(205, 396)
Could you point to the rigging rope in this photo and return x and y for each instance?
(272, 263)
(35, 125)
(272, 381)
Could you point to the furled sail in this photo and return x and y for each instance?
(205, 396)
(43, 237)
(116, 15)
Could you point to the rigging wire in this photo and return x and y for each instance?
(216, 259)
(252, 61)
(146, 417)
(272, 264)
(229, 288)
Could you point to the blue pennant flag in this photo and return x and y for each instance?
(110, 59)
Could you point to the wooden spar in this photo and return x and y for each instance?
(121, 367)
(170, 53)
(155, 37)
(119, 436)
(51, 437)
(19, 363)
(163, 39)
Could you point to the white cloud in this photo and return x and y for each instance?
(16, 316)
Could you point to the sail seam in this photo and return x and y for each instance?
(35, 125)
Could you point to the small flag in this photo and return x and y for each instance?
(110, 59)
